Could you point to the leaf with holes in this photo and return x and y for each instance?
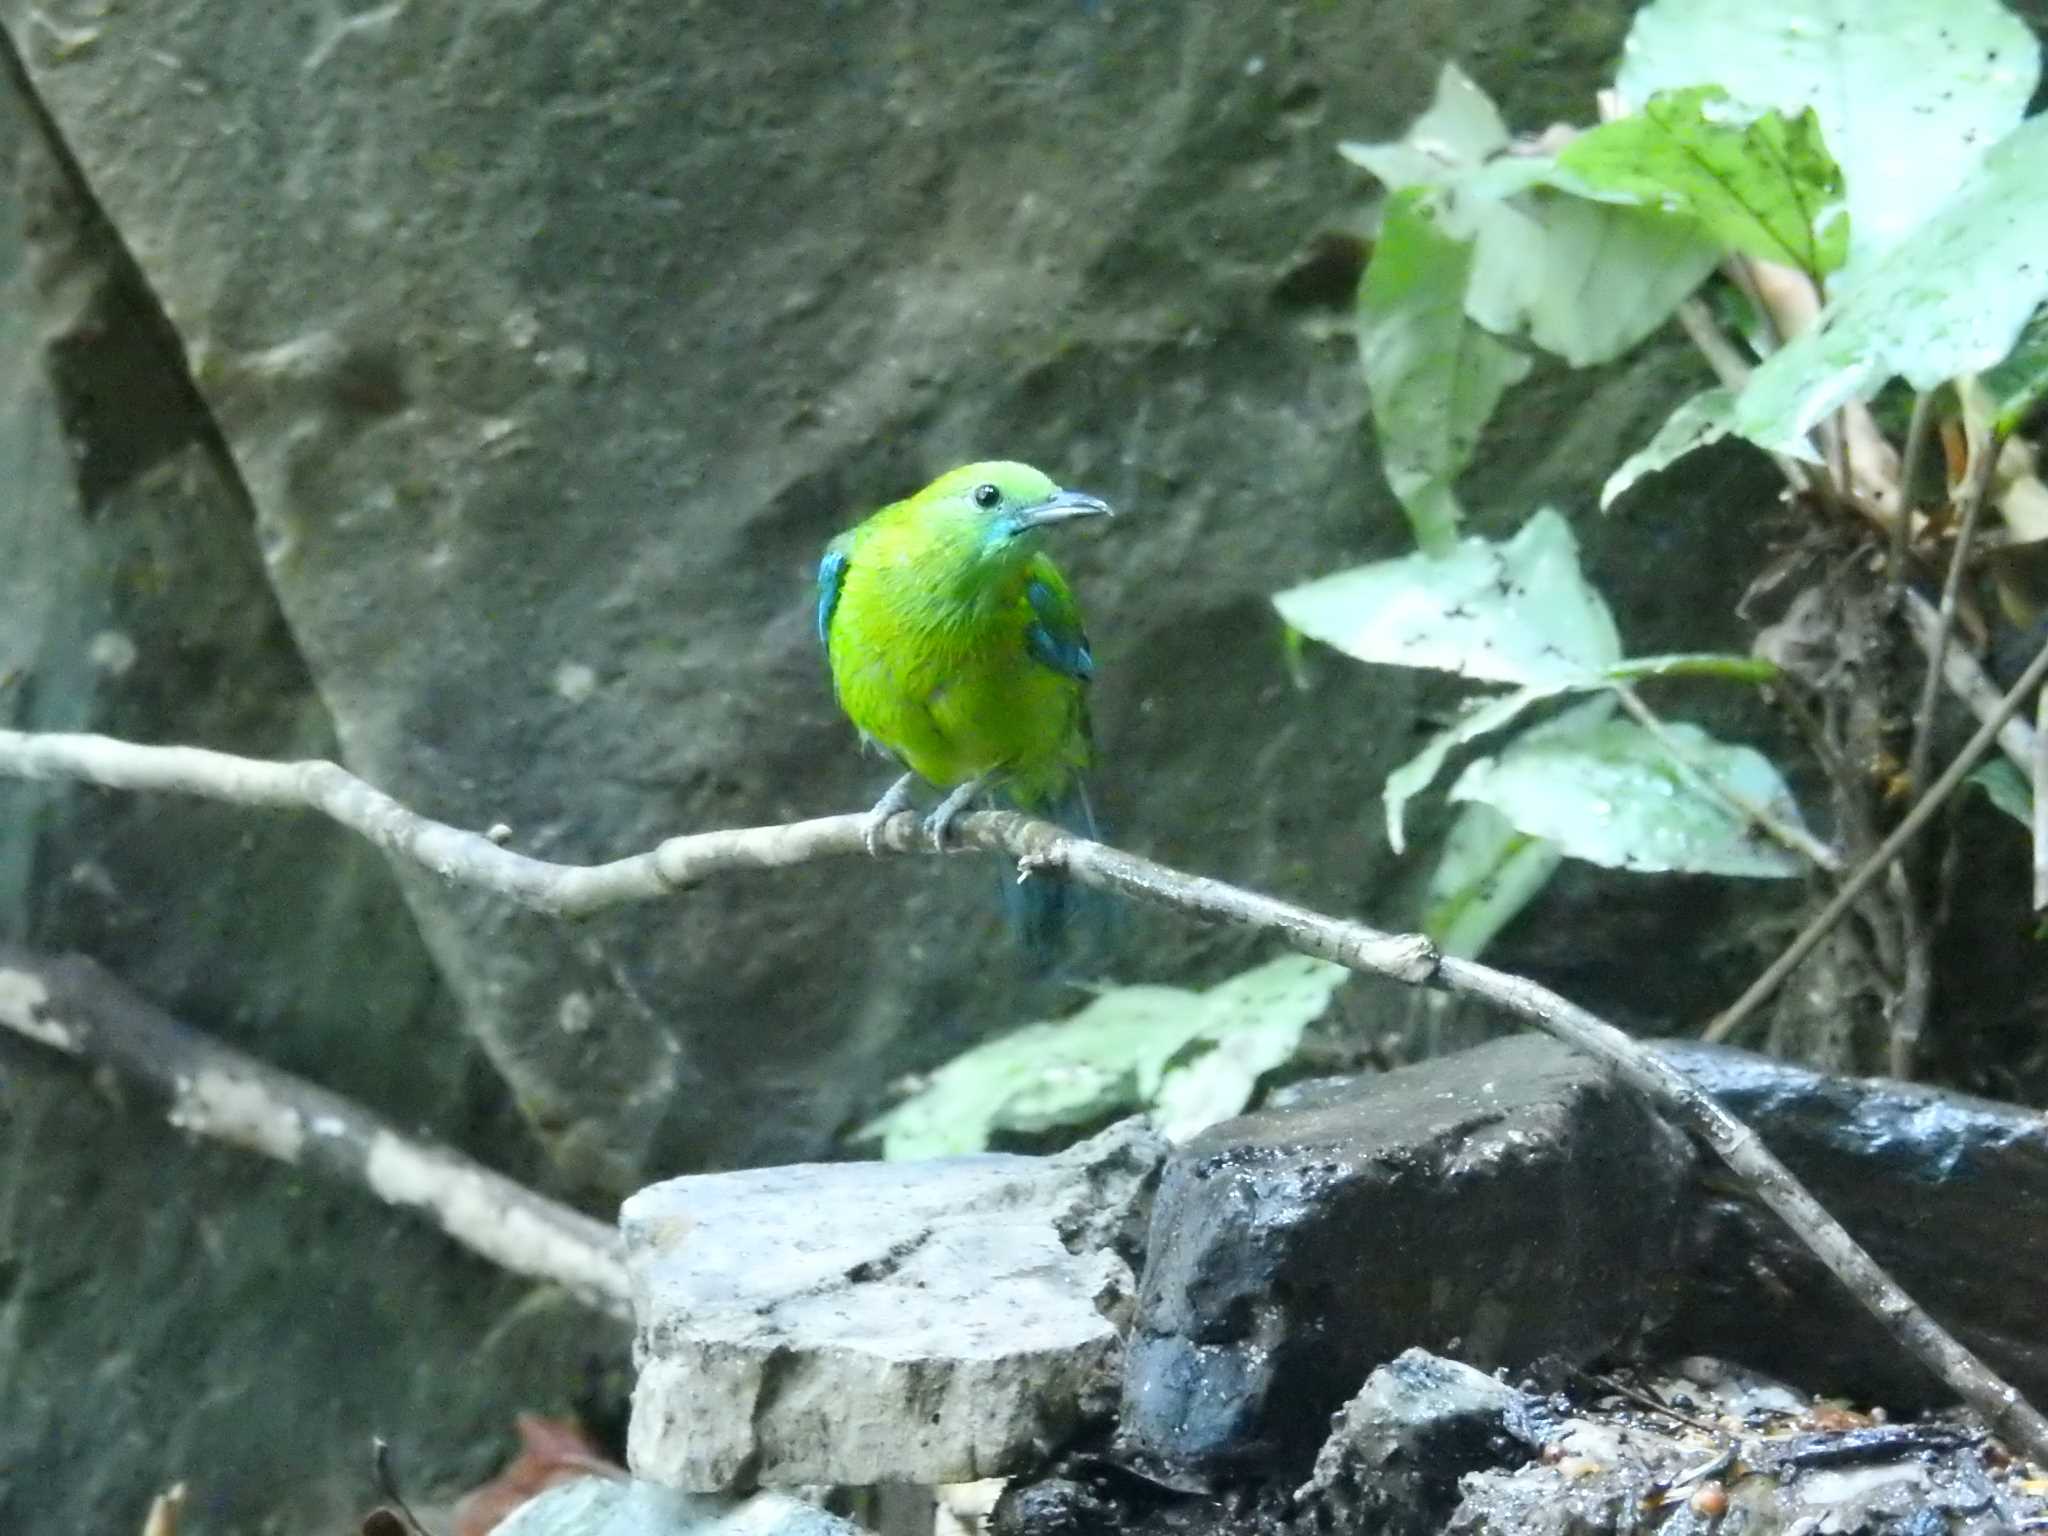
(1760, 184)
(1517, 612)
(1952, 298)
(1613, 794)
(1910, 94)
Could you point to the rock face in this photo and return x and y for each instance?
(1293, 1250)
(552, 345)
(1948, 1192)
(178, 1310)
(862, 1323)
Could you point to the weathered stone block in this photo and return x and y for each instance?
(858, 1323)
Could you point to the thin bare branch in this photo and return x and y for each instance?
(2040, 783)
(1909, 471)
(72, 1005)
(1968, 505)
(1042, 851)
(1874, 867)
(1970, 684)
(1916, 975)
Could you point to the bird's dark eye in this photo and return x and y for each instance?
(987, 497)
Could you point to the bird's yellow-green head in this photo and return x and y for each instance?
(1002, 507)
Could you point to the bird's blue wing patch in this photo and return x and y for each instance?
(1055, 638)
(831, 572)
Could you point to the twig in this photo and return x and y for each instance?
(1909, 471)
(1042, 849)
(1916, 981)
(74, 1006)
(1970, 684)
(1969, 504)
(1797, 839)
(1874, 867)
(2040, 783)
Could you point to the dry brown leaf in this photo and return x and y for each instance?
(551, 1451)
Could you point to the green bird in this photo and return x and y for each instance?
(957, 647)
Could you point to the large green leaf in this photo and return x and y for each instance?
(1584, 280)
(1949, 299)
(1613, 794)
(1433, 375)
(1760, 184)
(1581, 279)
(1910, 93)
(1193, 1057)
(1516, 612)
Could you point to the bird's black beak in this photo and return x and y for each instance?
(1062, 507)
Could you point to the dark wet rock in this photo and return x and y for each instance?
(1722, 1464)
(1503, 1204)
(1948, 1192)
(1397, 1450)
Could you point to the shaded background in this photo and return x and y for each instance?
(467, 390)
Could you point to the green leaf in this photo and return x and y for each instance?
(1460, 131)
(1252, 1024)
(1706, 418)
(1195, 1057)
(1583, 280)
(2007, 788)
(2018, 384)
(1910, 93)
(1517, 612)
(1949, 299)
(1729, 669)
(1611, 794)
(1434, 377)
(1487, 874)
(1762, 185)
(1480, 718)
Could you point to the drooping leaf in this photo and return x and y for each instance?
(1488, 872)
(1583, 280)
(1910, 94)
(1951, 298)
(1434, 376)
(1194, 1056)
(1706, 418)
(2018, 384)
(1760, 184)
(1517, 612)
(1612, 794)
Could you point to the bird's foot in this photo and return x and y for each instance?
(895, 798)
(941, 820)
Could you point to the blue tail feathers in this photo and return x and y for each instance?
(1057, 920)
